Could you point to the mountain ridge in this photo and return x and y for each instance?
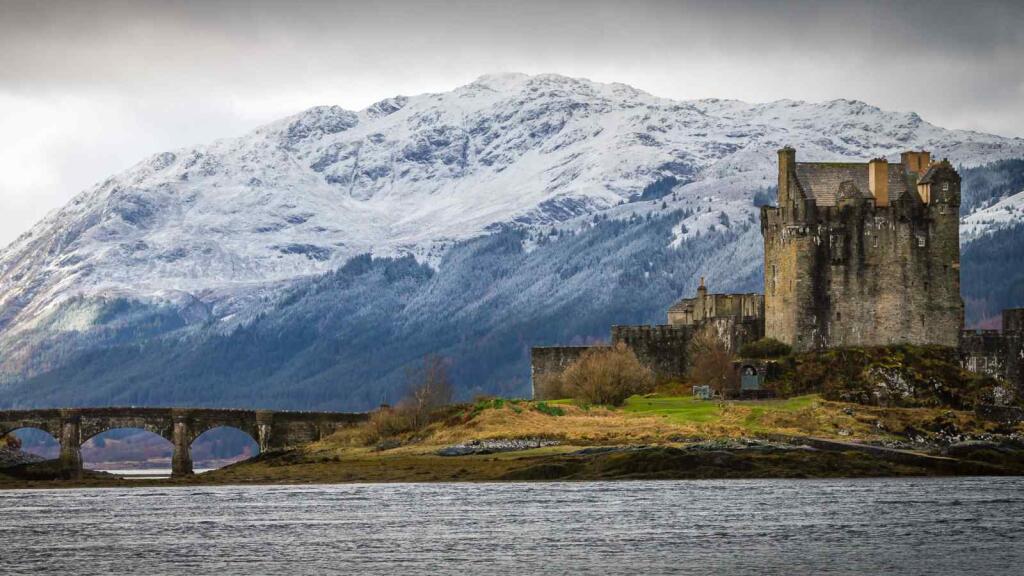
(205, 240)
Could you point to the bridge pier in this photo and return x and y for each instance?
(264, 420)
(181, 460)
(70, 444)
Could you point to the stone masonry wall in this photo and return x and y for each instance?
(664, 348)
(997, 353)
(858, 274)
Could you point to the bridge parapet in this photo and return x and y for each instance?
(181, 426)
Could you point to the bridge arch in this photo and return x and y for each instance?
(223, 445)
(44, 444)
(46, 425)
(134, 444)
(92, 426)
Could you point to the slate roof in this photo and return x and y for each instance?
(934, 170)
(822, 180)
(682, 305)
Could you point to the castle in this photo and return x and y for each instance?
(855, 254)
(863, 254)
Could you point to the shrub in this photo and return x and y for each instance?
(713, 364)
(387, 423)
(11, 442)
(549, 387)
(606, 376)
(545, 408)
(765, 348)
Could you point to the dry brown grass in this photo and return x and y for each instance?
(661, 420)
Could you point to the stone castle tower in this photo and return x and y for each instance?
(862, 254)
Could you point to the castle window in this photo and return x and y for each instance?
(839, 316)
(921, 240)
(945, 186)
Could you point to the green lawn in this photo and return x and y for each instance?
(689, 409)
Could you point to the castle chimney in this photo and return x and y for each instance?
(878, 180)
(787, 162)
(701, 290)
(916, 162)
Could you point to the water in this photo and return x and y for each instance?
(878, 526)
(146, 473)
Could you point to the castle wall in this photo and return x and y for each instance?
(663, 348)
(984, 352)
(690, 311)
(857, 274)
(733, 331)
(787, 251)
(995, 353)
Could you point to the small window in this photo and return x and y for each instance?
(945, 186)
(921, 241)
(839, 315)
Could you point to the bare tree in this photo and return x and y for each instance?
(712, 364)
(429, 388)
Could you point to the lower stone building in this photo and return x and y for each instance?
(997, 353)
(732, 319)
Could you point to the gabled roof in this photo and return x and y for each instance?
(682, 305)
(821, 181)
(935, 170)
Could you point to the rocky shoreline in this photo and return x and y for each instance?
(10, 457)
(535, 459)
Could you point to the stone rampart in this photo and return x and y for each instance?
(663, 348)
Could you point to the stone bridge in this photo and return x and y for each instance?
(181, 426)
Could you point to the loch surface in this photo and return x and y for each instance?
(873, 526)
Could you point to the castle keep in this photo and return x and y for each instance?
(855, 254)
(863, 254)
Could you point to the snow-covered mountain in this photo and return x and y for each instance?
(1006, 213)
(211, 237)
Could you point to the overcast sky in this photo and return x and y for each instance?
(88, 88)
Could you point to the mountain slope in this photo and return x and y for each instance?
(188, 251)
